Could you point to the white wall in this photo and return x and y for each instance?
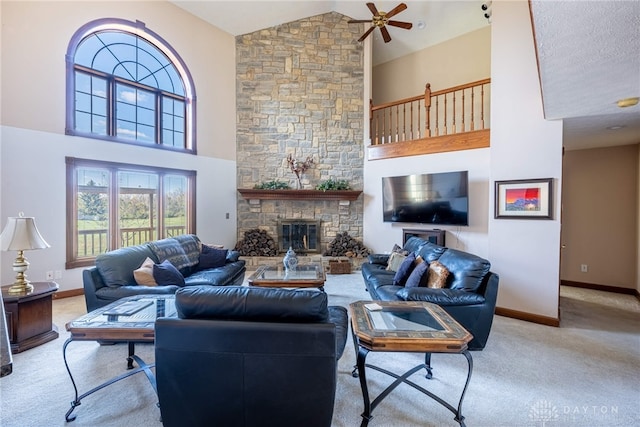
(33, 146)
(525, 253)
(380, 236)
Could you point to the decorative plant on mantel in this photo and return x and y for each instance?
(299, 167)
(272, 185)
(333, 184)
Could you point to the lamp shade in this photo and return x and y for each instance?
(21, 234)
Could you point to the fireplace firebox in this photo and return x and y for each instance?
(300, 234)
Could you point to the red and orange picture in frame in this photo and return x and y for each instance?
(524, 199)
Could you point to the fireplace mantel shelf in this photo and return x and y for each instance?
(253, 194)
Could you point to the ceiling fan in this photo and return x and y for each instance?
(381, 19)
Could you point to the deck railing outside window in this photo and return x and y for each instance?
(95, 242)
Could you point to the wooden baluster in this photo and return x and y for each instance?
(453, 113)
(437, 116)
(404, 122)
(482, 106)
(473, 92)
(397, 123)
(463, 128)
(411, 119)
(371, 134)
(446, 126)
(427, 109)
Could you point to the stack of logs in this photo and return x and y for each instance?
(345, 245)
(257, 242)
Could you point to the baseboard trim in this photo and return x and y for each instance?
(529, 317)
(68, 294)
(605, 288)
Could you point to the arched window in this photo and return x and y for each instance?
(126, 84)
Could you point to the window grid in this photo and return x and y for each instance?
(141, 61)
(113, 205)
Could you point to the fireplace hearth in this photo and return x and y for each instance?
(300, 234)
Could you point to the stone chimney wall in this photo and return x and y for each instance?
(300, 91)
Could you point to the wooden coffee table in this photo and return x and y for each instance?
(131, 320)
(304, 276)
(405, 326)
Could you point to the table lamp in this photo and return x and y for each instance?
(21, 234)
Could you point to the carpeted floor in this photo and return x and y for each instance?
(584, 373)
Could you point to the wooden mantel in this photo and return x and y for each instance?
(253, 194)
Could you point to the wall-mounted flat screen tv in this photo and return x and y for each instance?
(433, 198)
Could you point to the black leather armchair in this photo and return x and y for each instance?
(242, 356)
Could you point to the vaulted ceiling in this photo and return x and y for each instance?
(588, 51)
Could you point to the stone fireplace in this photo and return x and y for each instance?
(300, 93)
(301, 235)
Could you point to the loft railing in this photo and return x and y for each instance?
(94, 242)
(456, 110)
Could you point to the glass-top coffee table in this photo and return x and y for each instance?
(405, 326)
(304, 276)
(131, 319)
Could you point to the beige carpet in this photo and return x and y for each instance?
(585, 373)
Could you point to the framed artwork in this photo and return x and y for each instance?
(524, 199)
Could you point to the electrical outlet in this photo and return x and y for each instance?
(584, 268)
(49, 275)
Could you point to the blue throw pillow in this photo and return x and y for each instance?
(166, 274)
(211, 257)
(418, 276)
(405, 270)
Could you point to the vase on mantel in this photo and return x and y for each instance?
(290, 260)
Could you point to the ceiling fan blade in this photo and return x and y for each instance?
(364, 36)
(405, 25)
(358, 21)
(372, 8)
(399, 8)
(385, 34)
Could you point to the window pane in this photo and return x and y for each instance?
(175, 201)
(167, 138)
(83, 102)
(146, 116)
(83, 83)
(137, 207)
(146, 133)
(83, 122)
(92, 218)
(99, 125)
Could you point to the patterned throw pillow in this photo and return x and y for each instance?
(166, 274)
(191, 246)
(405, 270)
(438, 275)
(144, 274)
(395, 261)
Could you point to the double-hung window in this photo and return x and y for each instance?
(126, 84)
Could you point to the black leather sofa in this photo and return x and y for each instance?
(112, 277)
(249, 357)
(469, 295)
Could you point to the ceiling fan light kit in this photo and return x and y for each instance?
(627, 102)
(381, 19)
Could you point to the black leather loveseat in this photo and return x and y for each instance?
(113, 276)
(469, 294)
(249, 357)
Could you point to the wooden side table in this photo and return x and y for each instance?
(29, 316)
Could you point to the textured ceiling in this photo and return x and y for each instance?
(589, 51)
(589, 57)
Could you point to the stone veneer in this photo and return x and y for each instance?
(300, 91)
